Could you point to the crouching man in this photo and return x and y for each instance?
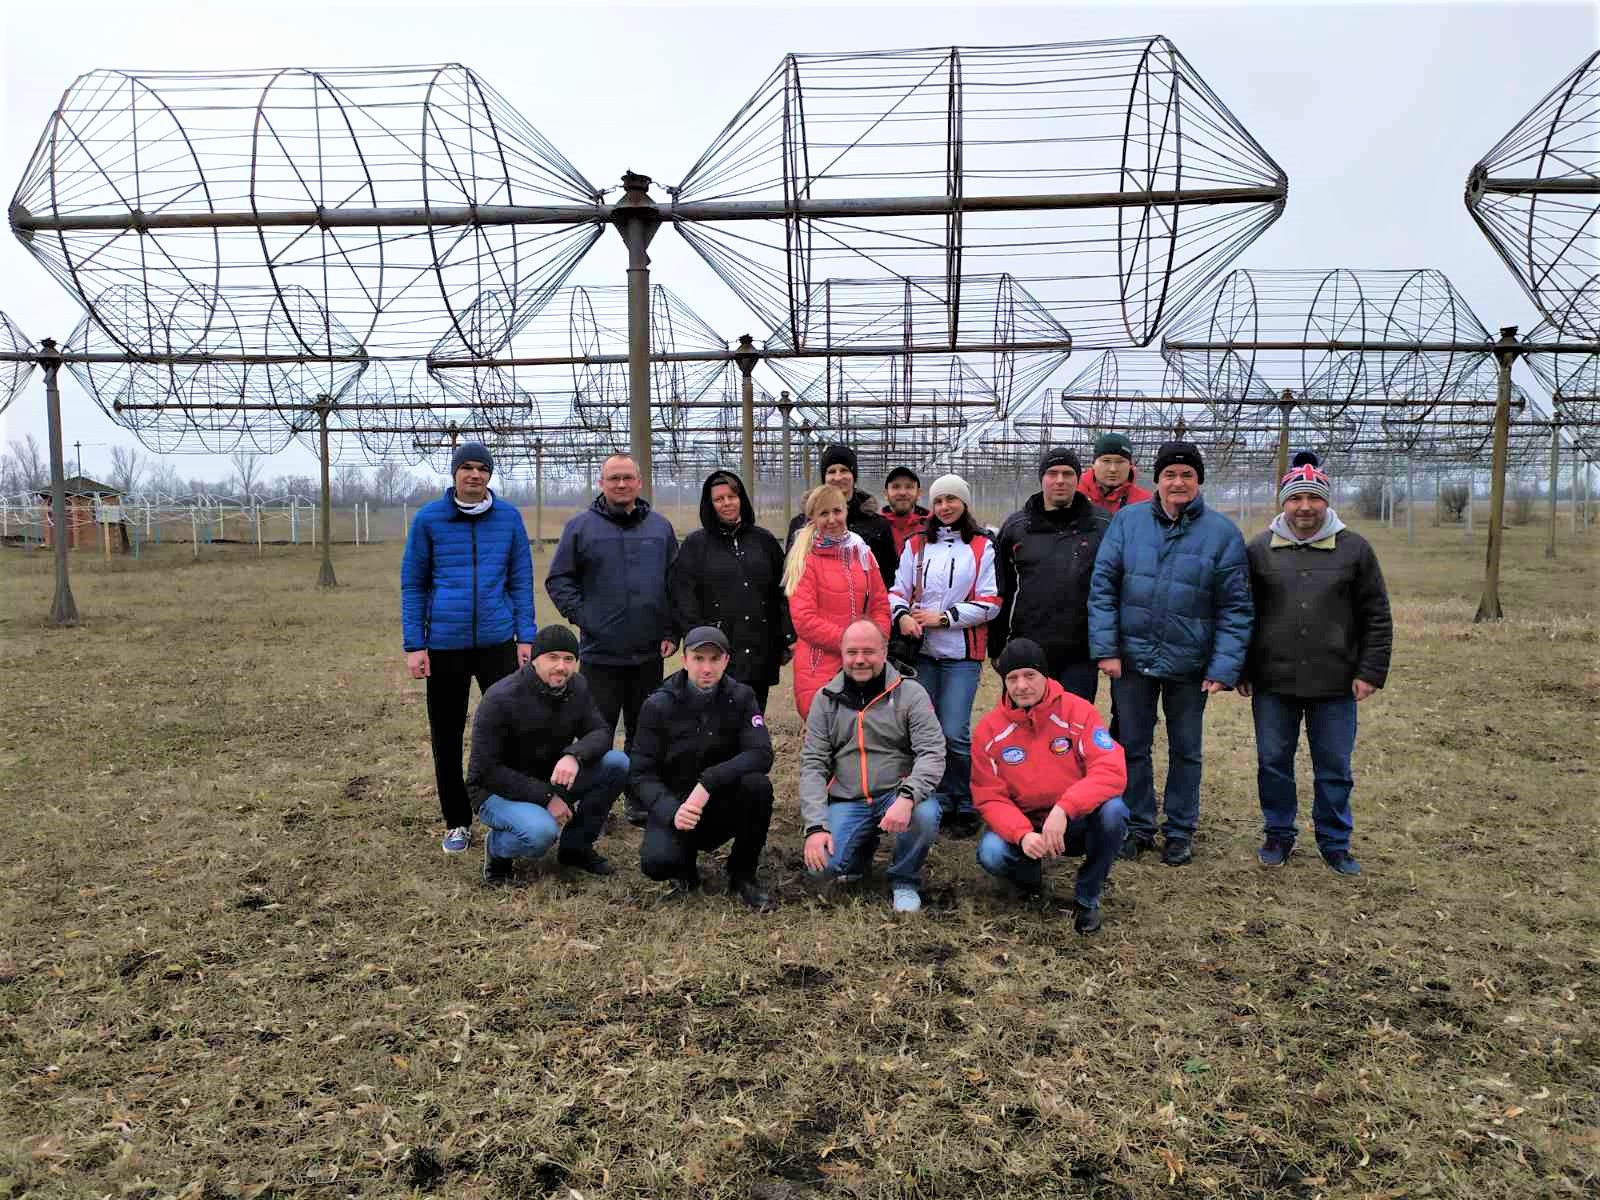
(1047, 780)
(700, 763)
(873, 753)
(542, 767)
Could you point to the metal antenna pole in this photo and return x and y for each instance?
(78, 446)
(63, 609)
(1285, 407)
(325, 577)
(637, 218)
(785, 408)
(538, 494)
(747, 360)
(1555, 481)
(805, 453)
(1489, 607)
(1411, 500)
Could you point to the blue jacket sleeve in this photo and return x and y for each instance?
(1105, 592)
(563, 581)
(519, 579)
(1233, 612)
(416, 581)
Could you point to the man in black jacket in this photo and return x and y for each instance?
(700, 764)
(542, 766)
(1044, 559)
(839, 470)
(729, 573)
(1319, 647)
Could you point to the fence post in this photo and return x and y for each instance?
(194, 531)
(258, 528)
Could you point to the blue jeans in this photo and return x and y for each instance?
(1134, 698)
(1098, 837)
(518, 829)
(952, 685)
(853, 825)
(1331, 730)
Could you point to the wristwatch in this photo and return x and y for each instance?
(944, 620)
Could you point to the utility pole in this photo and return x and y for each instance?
(63, 609)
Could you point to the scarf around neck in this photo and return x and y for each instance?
(473, 510)
(1331, 524)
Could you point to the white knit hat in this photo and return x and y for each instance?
(951, 485)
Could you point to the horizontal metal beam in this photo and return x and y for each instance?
(1508, 186)
(346, 217)
(1341, 347)
(879, 350)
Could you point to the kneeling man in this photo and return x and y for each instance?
(1047, 780)
(542, 766)
(873, 753)
(699, 768)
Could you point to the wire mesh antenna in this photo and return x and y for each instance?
(1536, 196)
(218, 371)
(1106, 177)
(1574, 383)
(14, 371)
(289, 179)
(1331, 338)
(585, 385)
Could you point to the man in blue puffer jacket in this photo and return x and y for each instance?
(609, 578)
(1169, 621)
(466, 611)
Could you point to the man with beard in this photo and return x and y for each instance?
(608, 577)
(700, 767)
(1169, 623)
(901, 491)
(1044, 559)
(729, 574)
(839, 470)
(542, 766)
(1320, 647)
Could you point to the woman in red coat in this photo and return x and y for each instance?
(831, 579)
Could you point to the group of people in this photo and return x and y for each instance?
(887, 615)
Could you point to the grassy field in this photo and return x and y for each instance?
(233, 961)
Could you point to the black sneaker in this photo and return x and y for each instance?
(588, 860)
(681, 887)
(1342, 861)
(1275, 852)
(496, 871)
(1086, 920)
(1133, 845)
(753, 894)
(636, 813)
(1175, 852)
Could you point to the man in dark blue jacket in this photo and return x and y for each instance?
(1169, 621)
(609, 578)
(466, 611)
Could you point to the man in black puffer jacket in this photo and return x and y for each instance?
(700, 766)
(861, 514)
(542, 766)
(729, 573)
(1044, 559)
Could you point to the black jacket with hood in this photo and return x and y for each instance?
(522, 728)
(862, 518)
(1043, 561)
(733, 579)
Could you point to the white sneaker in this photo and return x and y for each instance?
(906, 898)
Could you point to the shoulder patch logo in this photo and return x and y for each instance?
(758, 720)
(1014, 755)
(1060, 745)
(1103, 738)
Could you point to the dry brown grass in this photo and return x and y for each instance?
(234, 962)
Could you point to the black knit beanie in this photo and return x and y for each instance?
(1059, 456)
(554, 639)
(1020, 653)
(837, 454)
(1185, 454)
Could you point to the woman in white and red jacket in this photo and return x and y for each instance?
(942, 601)
(1047, 779)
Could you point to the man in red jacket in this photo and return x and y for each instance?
(1108, 483)
(902, 489)
(1047, 780)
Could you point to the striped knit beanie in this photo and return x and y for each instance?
(1305, 478)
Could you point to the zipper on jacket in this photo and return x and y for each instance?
(861, 737)
(473, 527)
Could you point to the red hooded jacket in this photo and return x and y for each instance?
(1118, 498)
(1057, 753)
(840, 585)
(905, 527)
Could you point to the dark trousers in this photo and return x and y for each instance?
(1135, 697)
(450, 676)
(742, 813)
(761, 690)
(1079, 678)
(1331, 731)
(619, 692)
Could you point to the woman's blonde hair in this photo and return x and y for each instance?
(819, 499)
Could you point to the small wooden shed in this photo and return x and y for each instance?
(88, 500)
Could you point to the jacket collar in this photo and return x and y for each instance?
(1053, 691)
(1071, 515)
(1192, 512)
(837, 692)
(641, 510)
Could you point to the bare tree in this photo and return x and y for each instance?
(349, 483)
(28, 463)
(392, 482)
(127, 469)
(164, 480)
(246, 473)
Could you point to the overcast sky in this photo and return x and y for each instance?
(1376, 112)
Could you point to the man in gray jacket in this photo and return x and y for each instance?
(873, 754)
